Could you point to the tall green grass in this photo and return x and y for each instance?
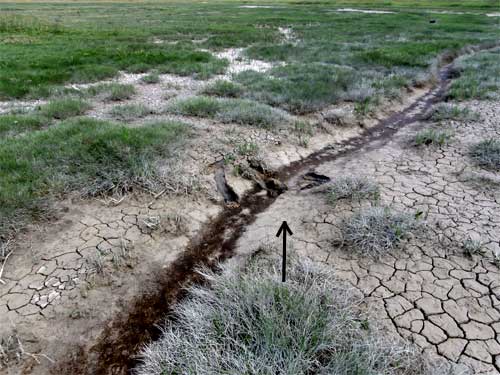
(89, 156)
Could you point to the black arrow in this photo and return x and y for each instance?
(285, 229)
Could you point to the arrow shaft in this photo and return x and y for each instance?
(283, 268)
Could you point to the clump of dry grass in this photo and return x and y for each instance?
(354, 188)
(377, 230)
(251, 323)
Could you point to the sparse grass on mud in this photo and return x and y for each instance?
(252, 323)
(486, 154)
(238, 111)
(129, 112)
(112, 91)
(452, 112)
(432, 137)
(89, 156)
(377, 230)
(151, 78)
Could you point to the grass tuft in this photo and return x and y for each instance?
(17, 124)
(248, 112)
(473, 247)
(62, 109)
(432, 137)
(129, 112)
(252, 323)
(224, 88)
(486, 154)
(239, 111)
(112, 91)
(452, 112)
(151, 78)
(199, 106)
(354, 188)
(377, 230)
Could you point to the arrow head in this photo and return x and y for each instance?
(284, 228)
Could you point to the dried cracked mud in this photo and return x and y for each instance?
(429, 291)
(67, 279)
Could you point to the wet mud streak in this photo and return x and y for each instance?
(126, 333)
(371, 138)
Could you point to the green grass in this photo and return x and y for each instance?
(479, 77)
(238, 111)
(201, 106)
(151, 78)
(224, 88)
(48, 45)
(85, 155)
(299, 88)
(17, 124)
(62, 109)
(129, 112)
(111, 91)
(432, 137)
(249, 322)
(486, 154)
(452, 112)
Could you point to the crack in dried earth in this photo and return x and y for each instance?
(429, 291)
(130, 261)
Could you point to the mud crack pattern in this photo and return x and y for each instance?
(429, 291)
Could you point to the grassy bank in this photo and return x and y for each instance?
(85, 155)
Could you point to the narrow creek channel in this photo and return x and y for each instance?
(126, 334)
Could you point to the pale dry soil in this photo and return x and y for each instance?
(428, 290)
(67, 278)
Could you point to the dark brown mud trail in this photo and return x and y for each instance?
(125, 334)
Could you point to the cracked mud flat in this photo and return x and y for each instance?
(60, 294)
(429, 291)
(67, 280)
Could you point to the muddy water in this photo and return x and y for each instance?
(125, 334)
